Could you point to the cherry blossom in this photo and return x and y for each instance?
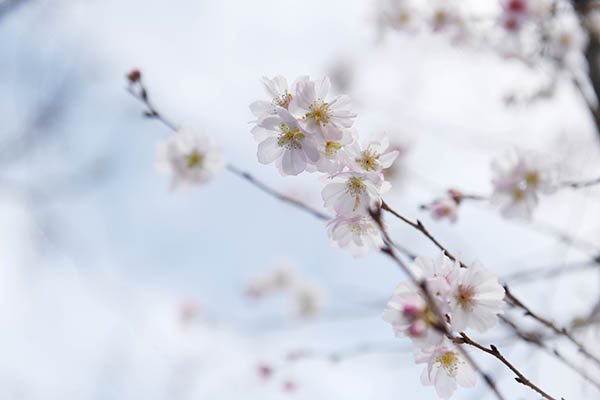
(518, 179)
(351, 192)
(374, 156)
(446, 368)
(284, 142)
(476, 299)
(318, 115)
(358, 234)
(191, 157)
(281, 94)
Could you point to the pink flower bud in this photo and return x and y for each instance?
(417, 328)
(411, 311)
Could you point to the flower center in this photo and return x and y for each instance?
(283, 100)
(319, 111)
(464, 297)
(532, 178)
(369, 160)
(356, 187)
(194, 159)
(518, 194)
(361, 229)
(290, 138)
(331, 148)
(449, 361)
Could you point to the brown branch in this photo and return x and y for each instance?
(536, 339)
(493, 350)
(561, 331)
(440, 324)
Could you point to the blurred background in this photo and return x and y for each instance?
(114, 287)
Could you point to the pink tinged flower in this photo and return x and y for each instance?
(446, 368)
(327, 118)
(284, 142)
(444, 208)
(358, 234)
(307, 300)
(192, 158)
(351, 193)
(373, 157)
(280, 95)
(265, 371)
(476, 300)
(410, 315)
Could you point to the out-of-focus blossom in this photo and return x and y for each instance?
(518, 178)
(444, 208)
(307, 300)
(192, 158)
(401, 15)
(278, 278)
(446, 368)
(264, 370)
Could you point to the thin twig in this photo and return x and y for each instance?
(493, 350)
(422, 285)
(561, 331)
(536, 339)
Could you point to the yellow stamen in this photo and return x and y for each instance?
(195, 159)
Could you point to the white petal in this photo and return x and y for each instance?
(269, 150)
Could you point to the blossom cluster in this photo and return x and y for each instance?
(301, 128)
(465, 297)
(523, 29)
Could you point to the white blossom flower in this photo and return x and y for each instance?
(333, 156)
(476, 299)
(191, 157)
(358, 234)
(517, 180)
(281, 94)
(446, 368)
(318, 115)
(307, 300)
(374, 156)
(401, 15)
(283, 140)
(444, 208)
(567, 39)
(352, 192)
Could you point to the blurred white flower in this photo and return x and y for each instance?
(326, 118)
(518, 178)
(307, 300)
(358, 234)
(284, 142)
(281, 95)
(191, 157)
(351, 192)
(476, 299)
(446, 368)
(280, 277)
(444, 208)
(400, 15)
(567, 39)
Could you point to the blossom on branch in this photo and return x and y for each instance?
(192, 158)
(446, 368)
